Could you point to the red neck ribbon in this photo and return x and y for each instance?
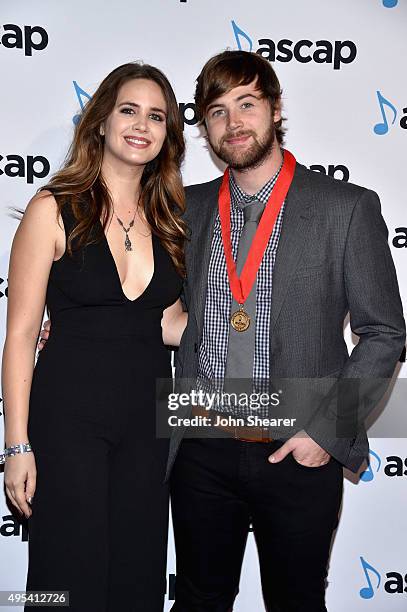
(241, 286)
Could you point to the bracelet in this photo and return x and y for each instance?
(15, 450)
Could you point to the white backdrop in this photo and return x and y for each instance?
(345, 78)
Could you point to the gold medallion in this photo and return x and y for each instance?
(240, 320)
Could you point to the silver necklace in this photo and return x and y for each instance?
(127, 242)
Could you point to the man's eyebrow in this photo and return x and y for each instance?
(248, 95)
(238, 99)
(153, 108)
(214, 105)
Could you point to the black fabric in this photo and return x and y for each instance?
(219, 487)
(100, 510)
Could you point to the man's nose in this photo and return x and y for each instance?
(234, 120)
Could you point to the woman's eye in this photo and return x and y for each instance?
(127, 111)
(156, 117)
(247, 105)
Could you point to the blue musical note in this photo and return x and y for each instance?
(383, 128)
(368, 475)
(80, 93)
(390, 3)
(368, 592)
(239, 34)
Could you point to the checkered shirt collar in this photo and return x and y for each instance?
(238, 195)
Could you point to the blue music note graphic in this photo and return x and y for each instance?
(368, 592)
(80, 93)
(383, 128)
(390, 3)
(368, 475)
(239, 34)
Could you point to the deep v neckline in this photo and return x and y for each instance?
(153, 245)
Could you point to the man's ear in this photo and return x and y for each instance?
(277, 111)
(203, 129)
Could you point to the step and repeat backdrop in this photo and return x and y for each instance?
(342, 69)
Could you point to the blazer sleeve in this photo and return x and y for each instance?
(376, 317)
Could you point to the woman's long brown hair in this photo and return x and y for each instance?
(80, 180)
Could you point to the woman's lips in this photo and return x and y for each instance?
(137, 143)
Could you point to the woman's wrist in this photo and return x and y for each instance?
(15, 438)
(22, 442)
(16, 449)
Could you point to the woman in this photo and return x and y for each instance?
(102, 246)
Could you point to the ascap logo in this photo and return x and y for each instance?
(30, 167)
(338, 171)
(187, 109)
(388, 111)
(373, 466)
(3, 289)
(82, 97)
(188, 113)
(395, 466)
(400, 240)
(11, 527)
(396, 582)
(322, 51)
(29, 38)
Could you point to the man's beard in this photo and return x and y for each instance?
(253, 157)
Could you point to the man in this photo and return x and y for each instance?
(280, 318)
(326, 254)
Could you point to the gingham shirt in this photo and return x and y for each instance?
(214, 344)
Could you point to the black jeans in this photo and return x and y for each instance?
(221, 486)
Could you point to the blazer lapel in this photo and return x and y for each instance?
(298, 214)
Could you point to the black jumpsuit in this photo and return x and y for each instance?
(100, 510)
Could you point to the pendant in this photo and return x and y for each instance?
(127, 244)
(240, 320)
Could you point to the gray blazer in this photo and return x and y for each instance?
(332, 258)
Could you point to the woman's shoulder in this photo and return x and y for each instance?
(46, 202)
(50, 212)
(42, 207)
(39, 224)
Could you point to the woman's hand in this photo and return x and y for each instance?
(20, 475)
(44, 335)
